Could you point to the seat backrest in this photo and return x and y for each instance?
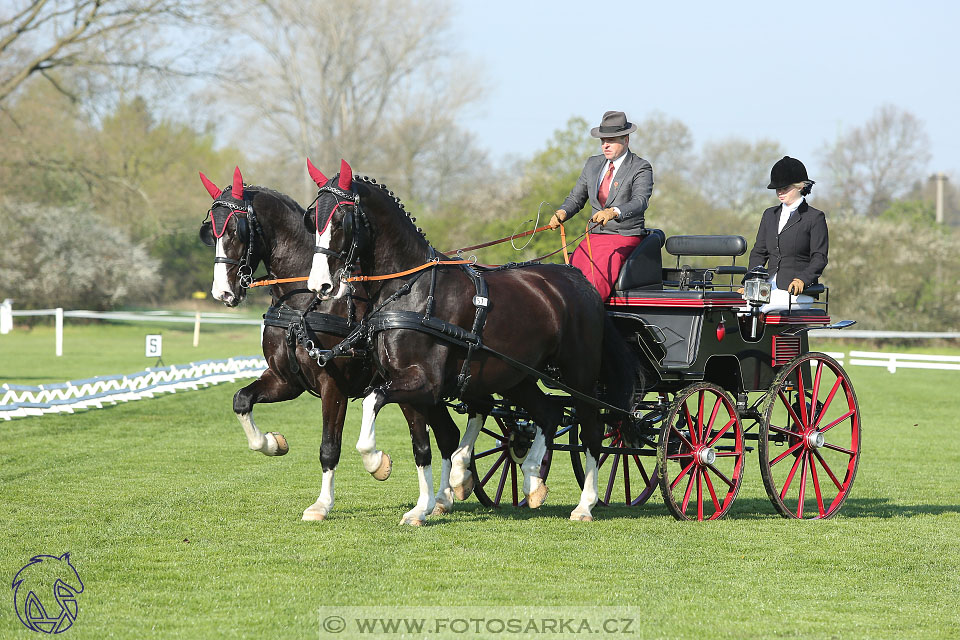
(731, 246)
(644, 267)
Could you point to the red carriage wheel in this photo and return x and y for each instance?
(809, 449)
(497, 455)
(700, 454)
(625, 477)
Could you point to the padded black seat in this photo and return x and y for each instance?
(706, 245)
(644, 267)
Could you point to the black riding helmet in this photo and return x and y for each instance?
(787, 171)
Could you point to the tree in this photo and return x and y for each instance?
(734, 174)
(39, 37)
(373, 82)
(872, 165)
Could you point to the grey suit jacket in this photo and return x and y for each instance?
(630, 191)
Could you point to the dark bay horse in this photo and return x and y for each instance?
(545, 316)
(250, 225)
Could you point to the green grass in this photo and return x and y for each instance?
(179, 531)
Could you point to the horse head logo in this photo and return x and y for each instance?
(45, 593)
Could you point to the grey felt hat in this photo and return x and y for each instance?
(613, 124)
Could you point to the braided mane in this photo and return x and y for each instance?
(367, 180)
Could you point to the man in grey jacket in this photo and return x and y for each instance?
(618, 184)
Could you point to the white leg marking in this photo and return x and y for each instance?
(533, 486)
(588, 497)
(265, 443)
(444, 497)
(324, 504)
(460, 460)
(425, 503)
(367, 442)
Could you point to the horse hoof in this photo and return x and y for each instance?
(314, 516)
(463, 491)
(537, 497)
(386, 466)
(282, 447)
(412, 521)
(581, 517)
(441, 510)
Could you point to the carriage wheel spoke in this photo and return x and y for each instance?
(612, 478)
(499, 437)
(682, 438)
(838, 421)
(786, 484)
(503, 481)
(803, 484)
(793, 414)
(786, 453)
(713, 419)
(834, 447)
(801, 396)
(676, 480)
(686, 494)
(826, 467)
(726, 428)
(513, 483)
(786, 431)
(700, 399)
(603, 458)
(690, 428)
(816, 390)
(722, 476)
(626, 479)
(488, 452)
(643, 472)
(713, 493)
(486, 478)
(816, 487)
(826, 403)
(699, 495)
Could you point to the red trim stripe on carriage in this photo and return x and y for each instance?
(696, 303)
(797, 319)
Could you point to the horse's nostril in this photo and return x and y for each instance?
(325, 289)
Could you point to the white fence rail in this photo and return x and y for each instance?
(894, 361)
(17, 401)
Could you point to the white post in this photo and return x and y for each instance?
(59, 313)
(6, 316)
(196, 330)
(940, 177)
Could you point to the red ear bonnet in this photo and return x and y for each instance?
(237, 191)
(212, 189)
(315, 173)
(346, 176)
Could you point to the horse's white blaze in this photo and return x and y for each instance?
(444, 496)
(588, 497)
(320, 270)
(460, 460)
(324, 503)
(367, 442)
(426, 502)
(531, 464)
(221, 287)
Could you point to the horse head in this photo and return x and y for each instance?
(230, 227)
(336, 221)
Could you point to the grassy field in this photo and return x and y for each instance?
(179, 531)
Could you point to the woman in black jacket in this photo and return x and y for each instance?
(792, 240)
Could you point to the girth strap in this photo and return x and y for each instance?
(314, 320)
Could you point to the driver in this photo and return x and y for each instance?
(618, 184)
(792, 240)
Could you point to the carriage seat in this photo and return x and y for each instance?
(682, 277)
(644, 267)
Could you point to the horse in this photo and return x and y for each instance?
(358, 226)
(250, 225)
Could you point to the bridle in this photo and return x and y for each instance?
(354, 227)
(248, 228)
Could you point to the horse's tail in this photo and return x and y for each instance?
(620, 370)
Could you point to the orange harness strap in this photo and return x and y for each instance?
(399, 274)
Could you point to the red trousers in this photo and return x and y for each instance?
(602, 259)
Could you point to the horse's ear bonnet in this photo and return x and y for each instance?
(224, 206)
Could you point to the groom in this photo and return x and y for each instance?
(618, 184)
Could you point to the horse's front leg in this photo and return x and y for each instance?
(334, 410)
(377, 463)
(417, 422)
(269, 387)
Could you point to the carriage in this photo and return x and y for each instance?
(722, 383)
(720, 378)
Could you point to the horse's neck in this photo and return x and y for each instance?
(397, 250)
(292, 250)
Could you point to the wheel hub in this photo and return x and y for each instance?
(706, 456)
(814, 439)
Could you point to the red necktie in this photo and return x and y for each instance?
(605, 186)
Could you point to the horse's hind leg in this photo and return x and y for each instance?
(446, 433)
(546, 415)
(334, 410)
(592, 438)
(269, 387)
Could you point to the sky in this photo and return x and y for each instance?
(799, 73)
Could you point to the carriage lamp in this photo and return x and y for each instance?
(757, 291)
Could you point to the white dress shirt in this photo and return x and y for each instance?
(617, 162)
